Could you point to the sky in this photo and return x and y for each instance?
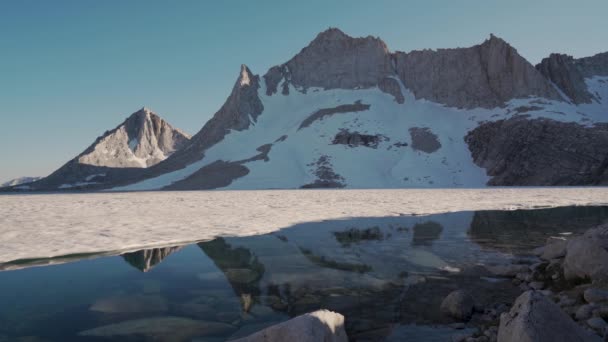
(72, 69)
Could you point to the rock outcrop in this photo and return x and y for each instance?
(316, 326)
(534, 318)
(242, 106)
(520, 151)
(569, 74)
(485, 75)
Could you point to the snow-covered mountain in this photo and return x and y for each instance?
(19, 181)
(142, 140)
(348, 112)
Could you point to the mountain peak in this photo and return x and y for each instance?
(331, 33)
(245, 76)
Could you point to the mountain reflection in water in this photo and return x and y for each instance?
(387, 276)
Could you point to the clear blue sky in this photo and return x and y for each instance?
(69, 70)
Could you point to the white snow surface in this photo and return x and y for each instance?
(38, 226)
(387, 166)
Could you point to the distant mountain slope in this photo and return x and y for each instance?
(142, 140)
(19, 181)
(348, 112)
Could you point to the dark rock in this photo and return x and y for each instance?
(458, 304)
(521, 151)
(534, 318)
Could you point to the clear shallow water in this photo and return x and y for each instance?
(387, 276)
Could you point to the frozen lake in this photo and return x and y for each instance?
(386, 275)
(49, 225)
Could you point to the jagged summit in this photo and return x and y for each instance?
(346, 111)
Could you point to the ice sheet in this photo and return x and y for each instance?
(36, 226)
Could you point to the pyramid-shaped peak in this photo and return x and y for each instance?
(245, 76)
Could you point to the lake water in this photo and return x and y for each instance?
(386, 275)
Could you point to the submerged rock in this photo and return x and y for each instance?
(458, 304)
(322, 325)
(534, 318)
(170, 329)
(593, 295)
(130, 304)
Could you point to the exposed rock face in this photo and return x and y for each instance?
(569, 74)
(242, 104)
(424, 140)
(587, 255)
(324, 112)
(316, 326)
(142, 140)
(146, 259)
(485, 75)
(520, 151)
(533, 318)
(334, 60)
(354, 139)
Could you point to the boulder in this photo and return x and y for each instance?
(534, 318)
(587, 255)
(593, 295)
(321, 325)
(458, 304)
(555, 248)
(507, 270)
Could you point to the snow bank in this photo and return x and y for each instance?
(36, 226)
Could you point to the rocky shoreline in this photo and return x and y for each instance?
(565, 298)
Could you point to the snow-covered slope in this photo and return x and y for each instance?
(365, 127)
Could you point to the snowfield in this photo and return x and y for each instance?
(39, 226)
(295, 149)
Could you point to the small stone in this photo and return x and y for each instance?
(597, 323)
(507, 270)
(458, 325)
(537, 285)
(592, 295)
(584, 312)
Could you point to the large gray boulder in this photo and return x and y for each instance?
(534, 318)
(318, 326)
(587, 255)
